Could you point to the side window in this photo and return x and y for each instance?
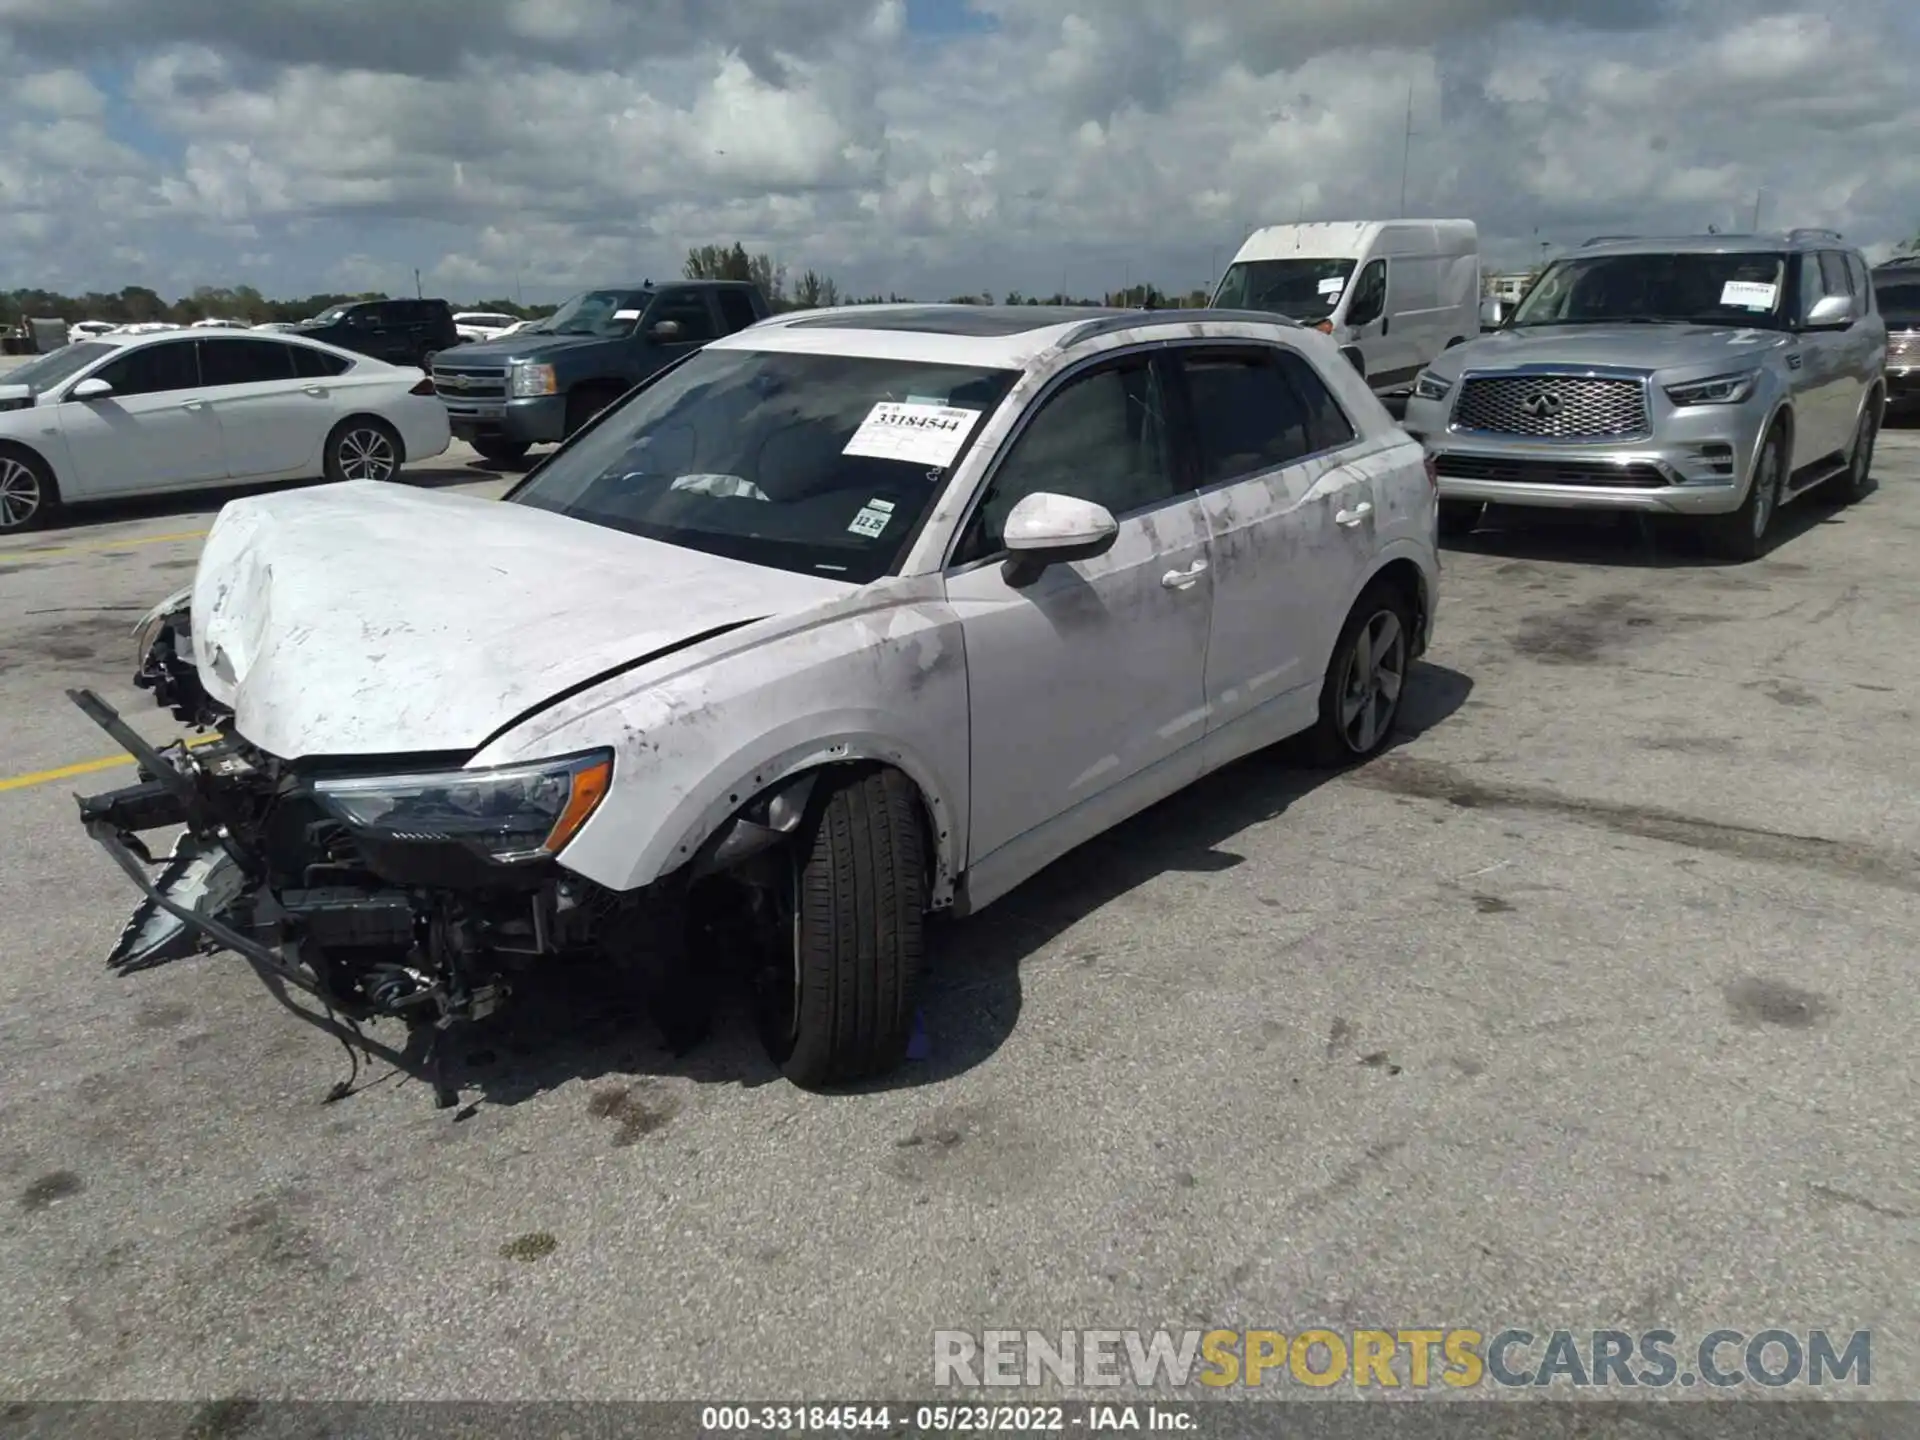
(1101, 437)
(367, 317)
(1327, 425)
(688, 308)
(737, 310)
(1369, 301)
(1249, 416)
(244, 362)
(154, 369)
(1834, 277)
(312, 364)
(1862, 282)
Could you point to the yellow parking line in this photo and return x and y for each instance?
(84, 767)
(97, 545)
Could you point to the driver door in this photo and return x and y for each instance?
(689, 310)
(1087, 687)
(156, 431)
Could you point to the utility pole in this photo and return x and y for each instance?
(1406, 152)
(418, 293)
(1759, 195)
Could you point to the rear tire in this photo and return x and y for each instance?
(858, 925)
(362, 447)
(1742, 534)
(1459, 518)
(29, 497)
(1366, 679)
(1856, 481)
(500, 451)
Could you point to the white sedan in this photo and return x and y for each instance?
(851, 617)
(125, 415)
(479, 325)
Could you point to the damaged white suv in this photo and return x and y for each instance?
(850, 617)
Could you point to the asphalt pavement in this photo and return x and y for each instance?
(1588, 1005)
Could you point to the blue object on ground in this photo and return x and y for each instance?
(918, 1046)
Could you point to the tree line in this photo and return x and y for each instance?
(785, 290)
(810, 290)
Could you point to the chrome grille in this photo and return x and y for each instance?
(458, 384)
(1904, 344)
(1553, 407)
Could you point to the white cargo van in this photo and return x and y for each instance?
(1394, 293)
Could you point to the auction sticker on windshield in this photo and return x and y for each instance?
(928, 435)
(1749, 294)
(872, 519)
(1333, 285)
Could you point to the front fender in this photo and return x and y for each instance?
(692, 747)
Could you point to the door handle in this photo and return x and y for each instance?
(316, 390)
(193, 404)
(1386, 323)
(1183, 579)
(1353, 517)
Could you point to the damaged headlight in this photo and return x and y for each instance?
(512, 813)
(156, 620)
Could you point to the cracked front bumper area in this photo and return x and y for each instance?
(258, 869)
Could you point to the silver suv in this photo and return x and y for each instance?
(1717, 377)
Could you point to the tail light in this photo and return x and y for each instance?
(425, 387)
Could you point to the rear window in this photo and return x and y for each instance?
(821, 464)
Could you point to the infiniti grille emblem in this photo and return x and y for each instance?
(1542, 405)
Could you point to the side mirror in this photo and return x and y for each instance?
(1046, 529)
(665, 330)
(1831, 310)
(1493, 313)
(95, 389)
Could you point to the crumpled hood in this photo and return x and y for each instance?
(1636, 347)
(375, 619)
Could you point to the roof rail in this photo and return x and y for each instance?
(1128, 319)
(1814, 232)
(1605, 240)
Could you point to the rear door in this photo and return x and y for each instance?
(156, 431)
(1292, 529)
(272, 418)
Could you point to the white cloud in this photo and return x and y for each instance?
(544, 143)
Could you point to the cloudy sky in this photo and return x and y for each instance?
(929, 146)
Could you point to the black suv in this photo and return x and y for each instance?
(401, 332)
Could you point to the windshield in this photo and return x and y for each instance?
(1300, 289)
(328, 317)
(822, 464)
(607, 313)
(1702, 289)
(62, 364)
(1899, 302)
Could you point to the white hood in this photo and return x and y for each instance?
(376, 619)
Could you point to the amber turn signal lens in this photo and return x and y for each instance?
(590, 786)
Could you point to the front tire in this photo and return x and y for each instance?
(28, 495)
(498, 450)
(857, 922)
(363, 448)
(1741, 535)
(1366, 678)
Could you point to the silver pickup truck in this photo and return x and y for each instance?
(1716, 377)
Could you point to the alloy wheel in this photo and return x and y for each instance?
(19, 493)
(367, 455)
(1862, 463)
(1370, 686)
(1766, 490)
